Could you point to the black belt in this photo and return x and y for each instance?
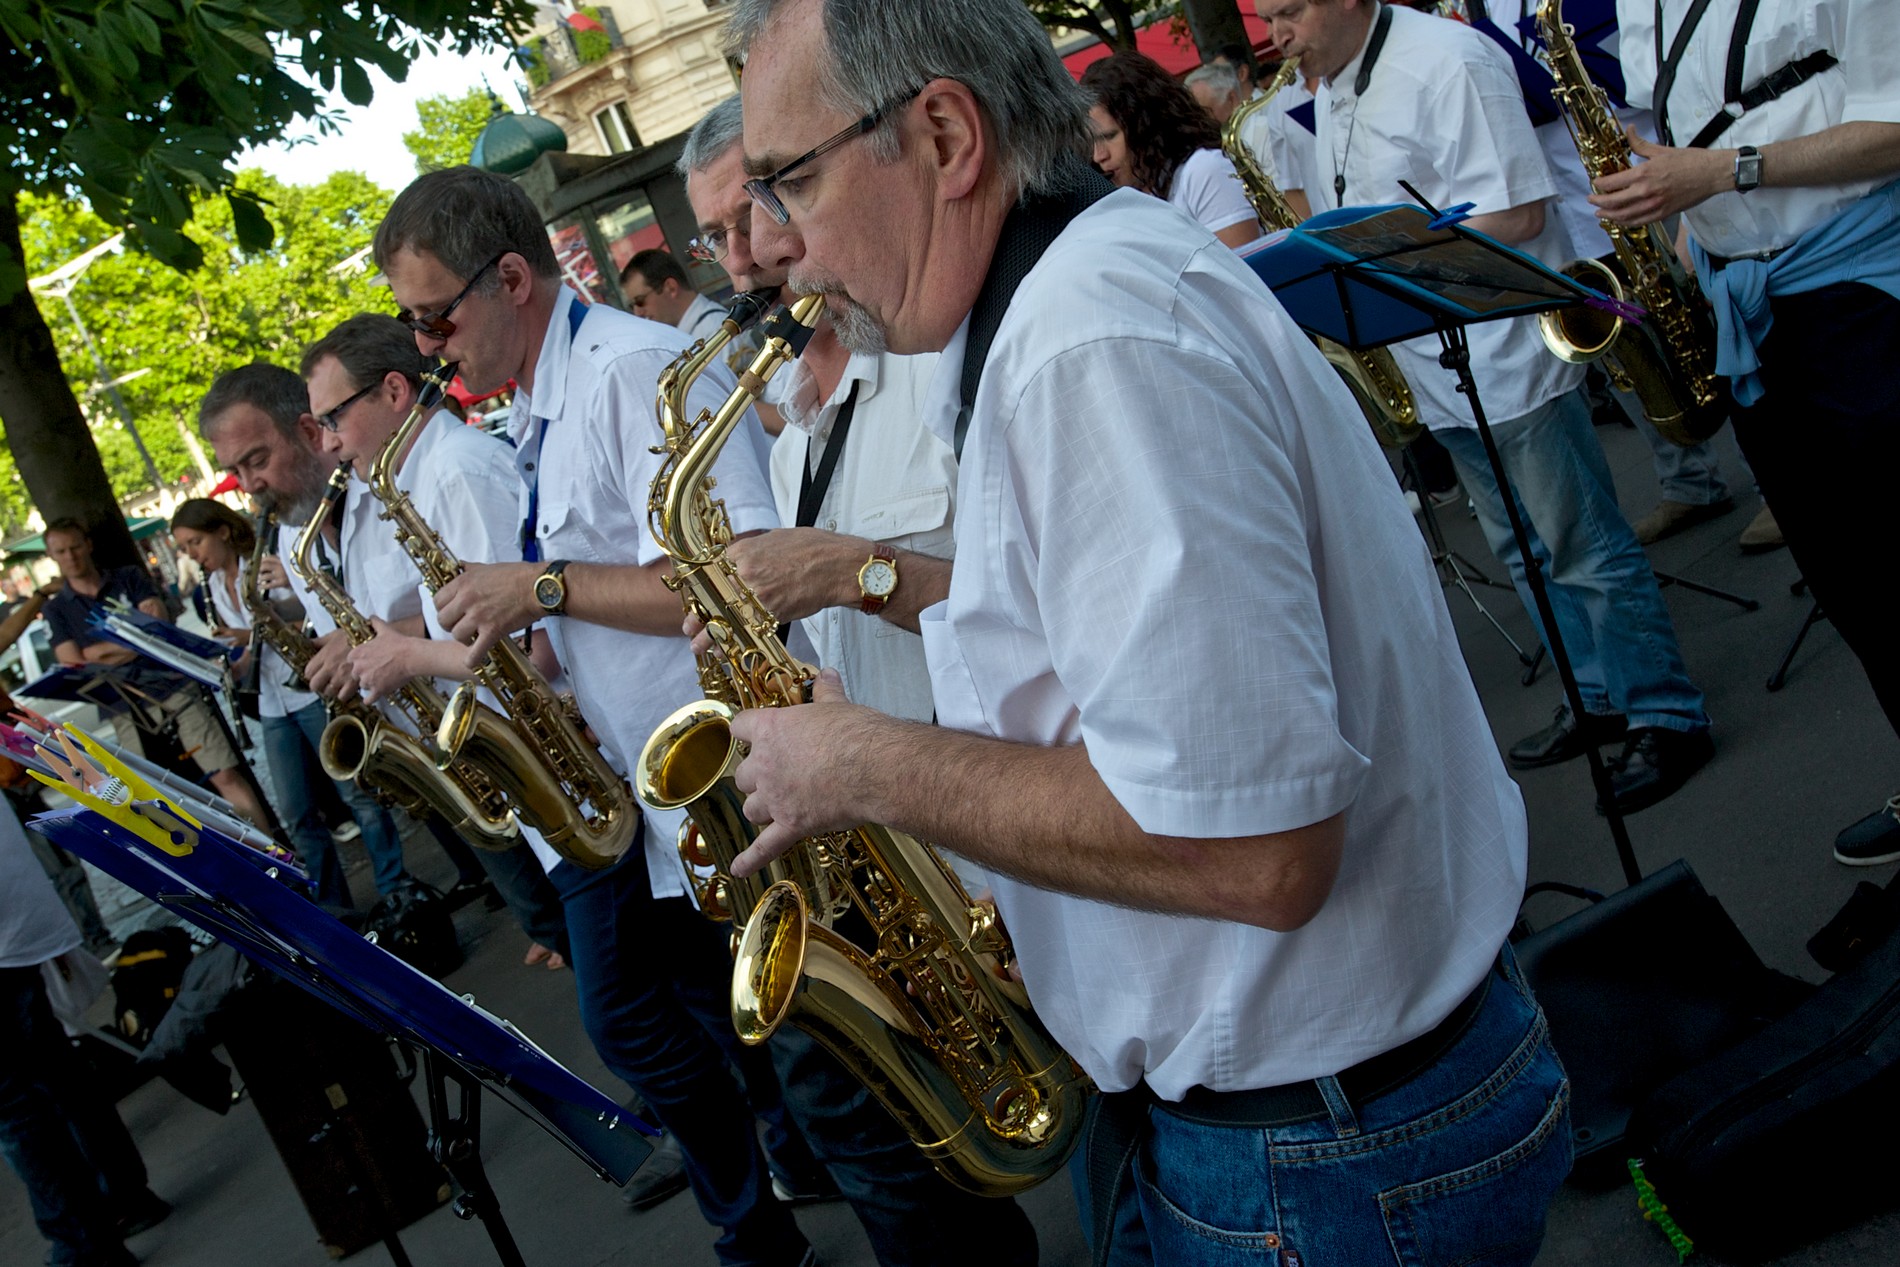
(1720, 262)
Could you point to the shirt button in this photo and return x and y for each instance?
(529, 466)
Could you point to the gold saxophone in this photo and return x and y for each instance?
(360, 743)
(266, 625)
(1669, 360)
(1374, 376)
(926, 1018)
(536, 754)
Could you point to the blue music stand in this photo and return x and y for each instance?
(1368, 276)
(215, 883)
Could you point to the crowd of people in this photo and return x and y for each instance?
(1049, 455)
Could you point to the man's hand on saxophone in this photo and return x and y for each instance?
(329, 673)
(784, 790)
(486, 603)
(392, 658)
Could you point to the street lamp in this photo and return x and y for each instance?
(60, 283)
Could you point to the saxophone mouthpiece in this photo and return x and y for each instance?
(746, 309)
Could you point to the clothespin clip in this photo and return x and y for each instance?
(1623, 308)
(112, 789)
(1450, 216)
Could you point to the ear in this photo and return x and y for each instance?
(952, 127)
(517, 279)
(307, 428)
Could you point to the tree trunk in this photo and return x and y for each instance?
(44, 427)
(1214, 23)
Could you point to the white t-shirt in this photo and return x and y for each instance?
(1178, 543)
(1864, 87)
(34, 925)
(1206, 187)
(1294, 151)
(589, 425)
(1444, 111)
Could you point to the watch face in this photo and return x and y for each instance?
(548, 591)
(878, 578)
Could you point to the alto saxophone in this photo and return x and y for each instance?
(923, 1013)
(535, 754)
(360, 743)
(1373, 376)
(1669, 360)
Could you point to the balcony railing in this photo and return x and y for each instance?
(564, 50)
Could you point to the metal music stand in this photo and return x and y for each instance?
(206, 878)
(1369, 276)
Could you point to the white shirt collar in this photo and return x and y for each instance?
(800, 408)
(549, 394)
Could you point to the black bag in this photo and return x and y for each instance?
(1752, 1151)
(413, 923)
(145, 979)
(1649, 981)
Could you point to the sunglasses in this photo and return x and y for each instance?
(766, 196)
(437, 325)
(329, 421)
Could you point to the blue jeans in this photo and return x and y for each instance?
(67, 1145)
(1457, 1165)
(290, 746)
(655, 982)
(1621, 642)
(1689, 474)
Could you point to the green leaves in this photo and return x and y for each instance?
(253, 227)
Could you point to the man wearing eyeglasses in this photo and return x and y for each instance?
(656, 287)
(1203, 711)
(469, 261)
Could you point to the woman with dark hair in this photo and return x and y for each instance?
(1151, 135)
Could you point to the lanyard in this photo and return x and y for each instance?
(1360, 83)
(1670, 61)
(530, 542)
(812, 487)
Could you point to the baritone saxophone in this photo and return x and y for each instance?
(1669, 360)
(1373, 376)
(864, 938)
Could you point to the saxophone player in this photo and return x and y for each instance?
(1254, 840)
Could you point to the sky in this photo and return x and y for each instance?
(371, 139)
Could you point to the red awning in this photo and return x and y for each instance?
(1157, 41)
(228, 484)
(465, 397)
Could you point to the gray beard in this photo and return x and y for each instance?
(857, 330)
(313, 476)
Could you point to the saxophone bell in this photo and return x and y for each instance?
(1580, 334)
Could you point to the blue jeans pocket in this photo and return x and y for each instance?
(1490, 1214)
(1176, 1236)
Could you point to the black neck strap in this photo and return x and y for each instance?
(1027, 232)
(812, 486)
(1361, 82)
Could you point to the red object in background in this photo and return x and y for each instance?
(581, 22)
(228, 484)
(466, 398)
(1156, 40)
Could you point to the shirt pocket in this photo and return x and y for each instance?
(563, 531)
(917, 521)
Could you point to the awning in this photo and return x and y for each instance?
(140, 528)
(1157, 41)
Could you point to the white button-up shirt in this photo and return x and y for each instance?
(1865, 86)
(589, 427)
(275, 696)
(1293, 153)
(1445, 112)
(701, 318)
(1178, 543)
(896, 483)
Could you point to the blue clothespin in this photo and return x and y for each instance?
(1450, 216)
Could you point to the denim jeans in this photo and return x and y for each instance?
(290, 746)
(1609, 610)
(69, 1148)
(654, 979)
(1688, 474)
(517, 876)
(1456, 1165)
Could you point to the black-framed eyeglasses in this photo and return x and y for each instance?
(761, 188)
(437, 325)
(714, 246)
(330, 420)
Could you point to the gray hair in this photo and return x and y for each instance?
(1217, 75)
(465, 217)
(369, 346)
(718, 131)
(280, 394)
(879, 50)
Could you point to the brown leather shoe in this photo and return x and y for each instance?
(1670, 517)
(1762, 534)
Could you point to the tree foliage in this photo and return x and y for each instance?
(1114, 22)
(447, 128)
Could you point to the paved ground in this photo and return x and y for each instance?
(1791, 769)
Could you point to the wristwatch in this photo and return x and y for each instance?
(1747, 169)
(550, 588)
(877, 579)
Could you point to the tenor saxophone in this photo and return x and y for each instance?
(360, 743)
(922, 1012)
(1373, 375)
(1669, 360)
(533, 750)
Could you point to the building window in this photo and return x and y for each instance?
(616, 128)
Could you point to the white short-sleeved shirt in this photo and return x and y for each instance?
(896, 482)
(1865, 87)
(34, 924)
(1290, 142)
(1253, 135)
(1206, 187)
(1178, 543)
(1444, 111)
(275, 696)
(589, 426)
(701, 318)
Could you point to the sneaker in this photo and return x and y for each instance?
(1671, 517)
(662, 1176)
(346, 831)
(1762, 534)
(1873, 841)
(146, 1211)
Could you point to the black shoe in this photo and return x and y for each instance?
(663, 1175)
(144, 1212)
(1564, 739)
(1655, 762)
(466, 891)
(808, 1191)
(1874, 840)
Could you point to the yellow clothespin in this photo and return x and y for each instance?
(113, 789)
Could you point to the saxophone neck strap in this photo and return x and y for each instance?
(530, 523)
(813, 485)
(1027, 232)
(1737, 102)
